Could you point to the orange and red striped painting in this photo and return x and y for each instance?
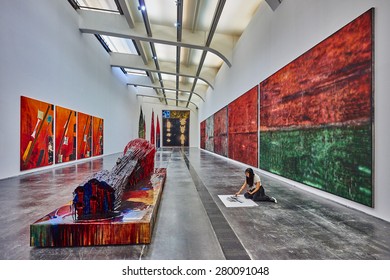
(84, 136)
(97, 141)
(66, 133)
(36, 133)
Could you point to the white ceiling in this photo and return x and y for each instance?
(179, 62)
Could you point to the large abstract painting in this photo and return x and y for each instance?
(243, 128)
(203, 134)
(176, 127)
(65, 136)
(84, 136)
(210, 133)
(220, 132)
(97, 139)
(316, 115)
(36, 133)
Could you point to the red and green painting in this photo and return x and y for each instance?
(65, 136)
(36, 133)
(97, 132)
(84, 136)
(316, 115)
(243, 128)
(220, 132)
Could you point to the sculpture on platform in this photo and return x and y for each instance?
(101, 194)
(109, 208)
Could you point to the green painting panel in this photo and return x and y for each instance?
(337, 160)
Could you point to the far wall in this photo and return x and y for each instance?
(149, 104)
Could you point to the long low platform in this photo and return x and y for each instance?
(132, 224)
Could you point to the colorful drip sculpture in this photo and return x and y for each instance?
(100, 196)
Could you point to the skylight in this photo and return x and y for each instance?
(135, 72)
(120, 45)
(98, 5)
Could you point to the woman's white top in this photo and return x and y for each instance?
(256, 179)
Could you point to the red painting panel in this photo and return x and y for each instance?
(36, 133)
(65, 135)
(210, 134)
(329, 84)
(98, 128)
(84, 135)
(242, 128)
(203, 134)
(220, 132)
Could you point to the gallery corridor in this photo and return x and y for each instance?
(192, 222)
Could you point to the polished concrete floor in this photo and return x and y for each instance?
(192, 222)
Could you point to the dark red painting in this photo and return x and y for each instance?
(84, 136)
(97, 132)
(65, 134)
(242, 128)
(203, 134)
(220, 132)
(329, 84)
(36, 133)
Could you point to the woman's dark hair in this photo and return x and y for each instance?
(249, 180)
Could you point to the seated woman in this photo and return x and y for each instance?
(255, 190)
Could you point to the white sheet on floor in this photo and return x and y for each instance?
(239, 201)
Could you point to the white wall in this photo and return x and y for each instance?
(153, 104)
(273, 39)
(44, 56)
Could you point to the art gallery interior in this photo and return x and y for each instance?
(295, 89)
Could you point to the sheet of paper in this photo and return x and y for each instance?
(237, 201)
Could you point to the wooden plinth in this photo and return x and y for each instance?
(132, 223)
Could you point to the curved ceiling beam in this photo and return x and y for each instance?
(159, 97)
(159, 87)
(134, 62)
(145, 82)
(168, 105)
(116, 25)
